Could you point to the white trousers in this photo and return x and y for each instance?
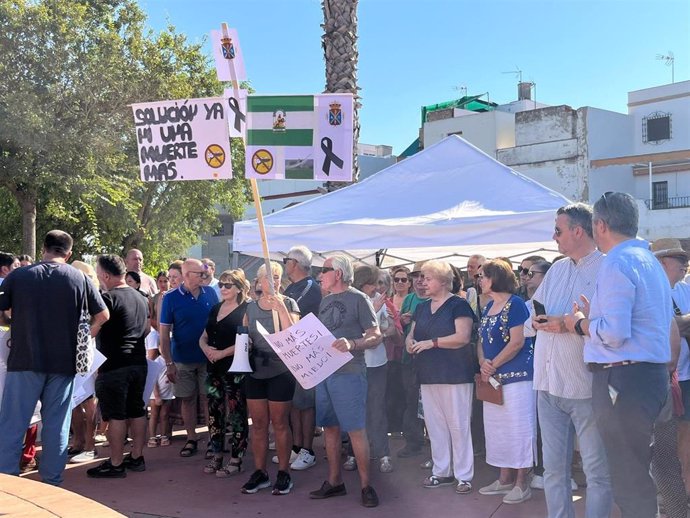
(447, 412)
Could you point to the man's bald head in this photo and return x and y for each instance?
(134, 260)
(193, 273)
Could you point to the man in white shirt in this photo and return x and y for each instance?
(561, 378)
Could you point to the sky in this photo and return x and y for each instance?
(419, 52)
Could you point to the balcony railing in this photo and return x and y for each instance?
(677, 202)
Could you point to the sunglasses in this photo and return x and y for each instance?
(523, 271)
(286, 259)
(401, 280)
(557, 231)
(327, 269)
(226, 285)
(531, 274)
(202, 275)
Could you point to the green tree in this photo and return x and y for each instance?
(70, 69)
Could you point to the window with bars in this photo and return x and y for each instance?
(656, 128)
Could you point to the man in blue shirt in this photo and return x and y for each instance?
(184, 312)
(627, 346)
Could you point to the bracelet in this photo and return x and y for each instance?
(350, 344)
(435, 342)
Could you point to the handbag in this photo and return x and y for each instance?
(85, 352)
(486, 392)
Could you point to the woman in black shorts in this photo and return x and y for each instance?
(271, 386)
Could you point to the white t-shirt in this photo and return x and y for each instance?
(376, 357)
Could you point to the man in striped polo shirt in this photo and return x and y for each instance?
(563, 382)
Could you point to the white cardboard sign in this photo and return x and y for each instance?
(305, 348)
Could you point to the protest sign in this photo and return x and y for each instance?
(300, 137)
(183, 140)
(305, 348)
(228, 55)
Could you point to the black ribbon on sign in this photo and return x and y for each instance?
(239, 116)
(331, 157)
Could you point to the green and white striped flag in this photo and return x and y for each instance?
(299, 137)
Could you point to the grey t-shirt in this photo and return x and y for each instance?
(348, 315)
(265, 362)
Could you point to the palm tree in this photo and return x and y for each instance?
(339, 43)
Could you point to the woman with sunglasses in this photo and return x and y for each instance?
(523, 274)
(507, 357)
(535, 276)
(271, 386)
(223, 387)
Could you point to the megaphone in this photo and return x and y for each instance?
(240, 362)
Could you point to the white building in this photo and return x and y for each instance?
(585, 152)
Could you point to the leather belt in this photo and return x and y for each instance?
(601, 366)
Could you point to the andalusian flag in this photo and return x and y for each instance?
(299, 137)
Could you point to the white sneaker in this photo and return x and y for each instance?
(293, 458)
(385, 465)
(85, 456)
(537, 482)
(305, 460)
(350, 464)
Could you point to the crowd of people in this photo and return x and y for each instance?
(532, 365)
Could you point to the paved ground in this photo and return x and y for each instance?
(176, 487)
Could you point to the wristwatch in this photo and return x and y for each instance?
(434, 341)
(578, 327)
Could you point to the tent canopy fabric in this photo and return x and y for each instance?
(448, 201)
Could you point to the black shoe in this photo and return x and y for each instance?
(369, 497)
(107, 470)
(133, 464)
(408, 451)
(258, 480)
(327, 491)
(283, 484)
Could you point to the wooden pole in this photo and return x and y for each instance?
(255, 193)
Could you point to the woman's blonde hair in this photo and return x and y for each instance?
(440, 270)
(87, 270)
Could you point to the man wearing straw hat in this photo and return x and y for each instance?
(674, 260)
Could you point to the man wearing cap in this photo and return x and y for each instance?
(627, 331)
(413, 427)
(674, 261)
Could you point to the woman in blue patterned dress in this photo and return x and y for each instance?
(507, 356)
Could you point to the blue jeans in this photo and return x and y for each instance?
(557, 417)
(22, 391)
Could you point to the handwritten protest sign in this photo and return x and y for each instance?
(183, 140)
(305, 348)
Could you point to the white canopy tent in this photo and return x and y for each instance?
(448, 201)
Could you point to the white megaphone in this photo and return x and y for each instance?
(240, 363)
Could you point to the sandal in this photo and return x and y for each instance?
(189, 449)
(165, 440)
(214, 465)
(231, 468)
(153, 442)
(436, 481)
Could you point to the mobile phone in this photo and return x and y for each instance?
(539, 310)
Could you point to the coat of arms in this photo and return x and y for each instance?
(335, 114)
(227, 47)
(279, 120)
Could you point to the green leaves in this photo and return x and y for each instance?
(69, 72)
